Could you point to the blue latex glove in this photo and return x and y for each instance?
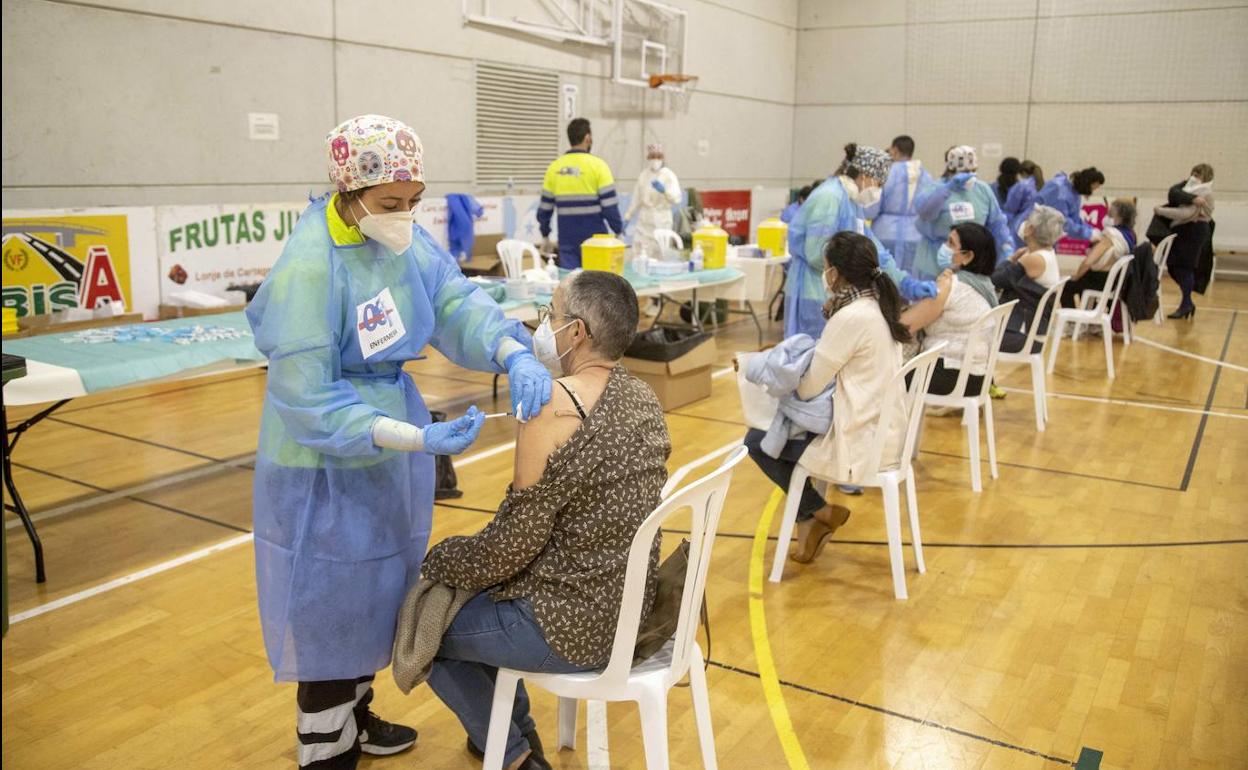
(958, 181)
(452, 438)
(915, 290)
(656, 184)
(530, 384)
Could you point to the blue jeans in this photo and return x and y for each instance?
(484, 637)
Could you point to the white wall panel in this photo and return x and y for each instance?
(1163, 57)
(839, 13)
(304, 17)
(1083, 8)
(967, 11)
(942, 68)
(836, 66)
(936, 128)
(124, 100)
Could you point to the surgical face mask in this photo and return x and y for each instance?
(1022, 231)
(1107, 223)
(867, 196)
(656, 164)
(944, 257)
(829, 286)
(392, 230)
(546, 347)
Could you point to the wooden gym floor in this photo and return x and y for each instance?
(1093, 597)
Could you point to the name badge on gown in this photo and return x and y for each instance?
(377, 324)
(961, 211)
(860, 226)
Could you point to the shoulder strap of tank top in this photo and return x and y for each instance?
(576, 400)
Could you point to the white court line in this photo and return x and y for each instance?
(65, 601)
(190, 557)
(722, 372)
(1178, 352)
(1140, 404)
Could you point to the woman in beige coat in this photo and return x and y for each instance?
(859, 348)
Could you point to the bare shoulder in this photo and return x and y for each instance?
(538, 437)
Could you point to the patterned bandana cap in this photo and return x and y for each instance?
(653, 150)
(961, 158)
(372, 149)
(872, 162)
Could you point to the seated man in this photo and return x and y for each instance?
(550, 566)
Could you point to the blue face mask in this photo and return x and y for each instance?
(944, 257)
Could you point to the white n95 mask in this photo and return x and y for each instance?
(868, 197)
(546, 347)
(392, 230)
(656, 165)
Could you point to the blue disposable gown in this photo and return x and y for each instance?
(1019, 202)
(892, 219)
(828, 211)
(1059, 193)
(940, 208)
(341, 526)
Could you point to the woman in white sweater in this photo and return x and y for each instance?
(859, 348)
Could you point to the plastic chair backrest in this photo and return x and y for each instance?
(511, 251)
(911, 403)
(994, 320)
(668, 239)
(705, 498)
(1106, 300)
(1162, 254)
(1043, 311)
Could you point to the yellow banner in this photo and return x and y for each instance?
(58, 262)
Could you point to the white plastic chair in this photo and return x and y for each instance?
(1161, 256)
(1097, 314)
(668, 239)
(887, 480)
(647, 683)
(1035, 358)
(512, 252)
(994, 320)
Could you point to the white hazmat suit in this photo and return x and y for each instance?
(653, 206)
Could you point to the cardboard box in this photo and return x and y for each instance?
(168, 312)
(484, 259)
(680, 381)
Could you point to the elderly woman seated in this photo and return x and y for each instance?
(1029, 273)
(550, 565)
(964, 293)
(1116, 241)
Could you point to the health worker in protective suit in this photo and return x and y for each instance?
(892, 219)
(344, 474)
(656, 192)
(957, 198)
(837, 205)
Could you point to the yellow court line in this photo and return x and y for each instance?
(762, 645)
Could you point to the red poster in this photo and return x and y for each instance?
(1094, 214)
(730, 209)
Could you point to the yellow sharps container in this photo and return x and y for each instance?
(773, 237)
(714, 243)
(603, 252)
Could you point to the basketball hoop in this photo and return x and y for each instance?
(679, 88)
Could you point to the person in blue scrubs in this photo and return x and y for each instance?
(1021, 198)
(790, 211)
(344, 476)
(893, 218)
(837, 205)
(1066, 194)
(959, 197)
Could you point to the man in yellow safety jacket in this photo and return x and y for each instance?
(580, 187)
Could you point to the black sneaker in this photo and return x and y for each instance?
(381, 738)
(537, 757)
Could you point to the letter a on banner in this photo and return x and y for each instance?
(100, 280)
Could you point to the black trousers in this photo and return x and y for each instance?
(780, 469)
(330, 713)
(1093, 279)
(945, 380)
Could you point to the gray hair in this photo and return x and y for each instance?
(1046, 225)
(608, 306)
(1124, 212)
